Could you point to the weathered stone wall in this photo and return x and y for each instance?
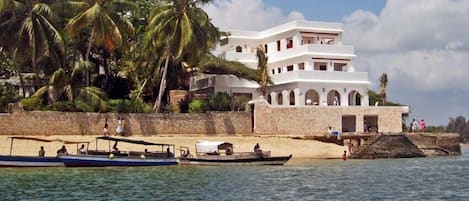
(315, 120)
(437, 143)
(65, 123)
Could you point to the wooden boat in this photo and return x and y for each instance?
(100, 158)
(221, 153)
(33, 161)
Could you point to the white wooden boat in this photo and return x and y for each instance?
(221, 153)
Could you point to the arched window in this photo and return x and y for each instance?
(292, 98)
(354, 98)
(239, 49)
(280, 99)
(269, 99)
(333, 98)
(312, 97)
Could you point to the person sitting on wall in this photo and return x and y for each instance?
(257, 148)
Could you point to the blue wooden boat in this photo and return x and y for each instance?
(33, 161)
(163, 154)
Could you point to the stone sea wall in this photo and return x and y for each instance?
(314, 120)
(67, 123)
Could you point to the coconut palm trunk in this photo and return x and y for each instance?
(157, 105)
(87, 56)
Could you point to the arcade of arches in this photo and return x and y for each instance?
(312, 97)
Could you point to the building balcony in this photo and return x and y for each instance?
(314, 50)
(321, 76)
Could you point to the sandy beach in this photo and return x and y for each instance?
(278, 145)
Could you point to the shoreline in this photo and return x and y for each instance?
(278, 145)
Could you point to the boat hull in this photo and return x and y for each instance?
(104, 161)
(30, 161)
(278, 160)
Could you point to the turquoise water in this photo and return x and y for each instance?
(437, 178)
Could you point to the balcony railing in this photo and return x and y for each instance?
(313, 49)
(320, 76)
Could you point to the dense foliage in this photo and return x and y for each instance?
(8, 94)
(85, 53)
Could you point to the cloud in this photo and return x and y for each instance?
(247, 15)
(422, 45)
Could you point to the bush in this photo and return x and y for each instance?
(8, 94)
(32, 103)
(238, 103)
(220, 102)
(184, 105)
(128, 106)
(84, 106)
(138, 106)
(120, 105)
(197, 106)
(64, 106)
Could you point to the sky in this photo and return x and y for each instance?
(422, 45)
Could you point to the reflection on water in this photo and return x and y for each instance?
(438, 178)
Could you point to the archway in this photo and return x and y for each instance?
(292, 98)
(354, 98)
(269, 99)
(333, 97)
(280, 99)
(312, 97)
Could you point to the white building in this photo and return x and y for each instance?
(307, 63)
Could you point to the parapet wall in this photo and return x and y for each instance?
(313, 120)
(68, 123)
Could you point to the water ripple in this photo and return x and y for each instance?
(438, 178)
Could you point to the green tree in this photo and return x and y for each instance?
(178, 31)
(383, 84)
(62, 86)
(459, 125)
(30, 22)
(262, 69)
(210, 64)
(106, 23)
(8, 94)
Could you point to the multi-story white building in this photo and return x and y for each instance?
(307, 63)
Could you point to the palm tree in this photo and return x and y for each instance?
(104, 20)
(211, 64)
(62, 86)
(383, 80)
(178, 30)
(31, 23)
(262, 69)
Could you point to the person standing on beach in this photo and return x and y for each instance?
(106, 128)
(119, 129)
(344, 156)
(414, 125)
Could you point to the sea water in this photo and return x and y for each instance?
(433, 178)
